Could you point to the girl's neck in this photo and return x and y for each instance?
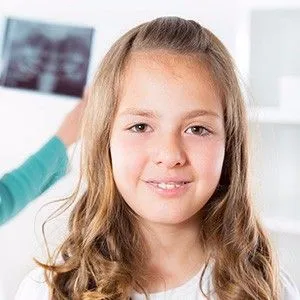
(176, 254)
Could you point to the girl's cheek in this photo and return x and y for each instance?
(215, 159)
(132, 141)
(207, 157)
(128, 155)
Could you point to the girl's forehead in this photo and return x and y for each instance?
(168, 61)
(157, 78)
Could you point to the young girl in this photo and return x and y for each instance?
(167, 213)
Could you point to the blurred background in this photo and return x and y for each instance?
(262, 36)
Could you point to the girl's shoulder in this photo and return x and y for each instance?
(33, 286)
(289, 288)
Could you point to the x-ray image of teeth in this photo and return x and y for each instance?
(45, 57)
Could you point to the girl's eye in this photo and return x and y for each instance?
(198, 130)
(138, 127)
(195, 130)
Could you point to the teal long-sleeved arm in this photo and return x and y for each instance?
(32, 178)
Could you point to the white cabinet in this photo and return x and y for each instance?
(270, 63)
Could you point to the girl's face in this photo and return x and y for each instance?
(168, 141)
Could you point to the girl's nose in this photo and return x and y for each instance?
(169, 152)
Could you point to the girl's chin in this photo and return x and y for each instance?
(170, 220)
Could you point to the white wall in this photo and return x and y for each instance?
(27, 119)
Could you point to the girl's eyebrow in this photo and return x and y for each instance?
(154, 115)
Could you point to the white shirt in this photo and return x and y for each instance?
(33, 287)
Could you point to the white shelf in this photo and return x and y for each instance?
(281, 225)
(274, 115)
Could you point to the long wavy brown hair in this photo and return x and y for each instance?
(105, 252)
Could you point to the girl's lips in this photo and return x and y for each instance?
(169, 193)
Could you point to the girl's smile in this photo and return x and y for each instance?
(169, 189)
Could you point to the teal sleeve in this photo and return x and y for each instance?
(32, 178)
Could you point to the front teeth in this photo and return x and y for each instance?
(168, 186)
